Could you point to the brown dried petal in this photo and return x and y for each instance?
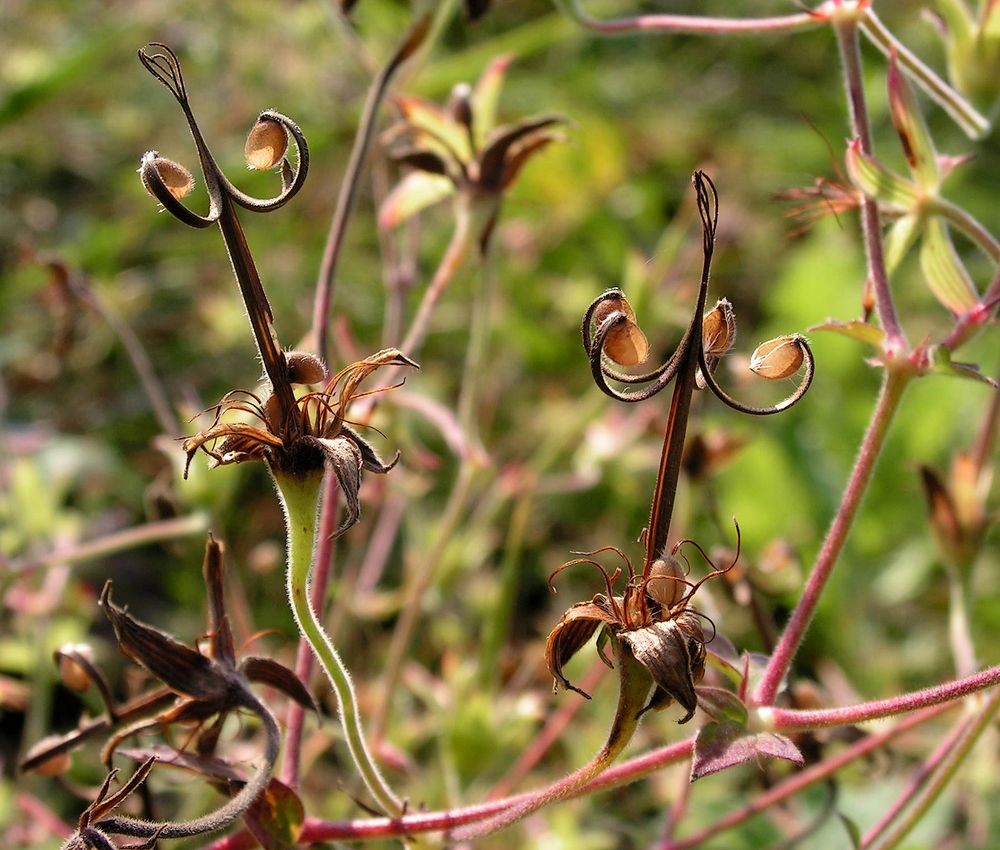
(179, 667)
(778, 358)
(674, 656)
(492, 162)
(266, 144)
(271, 673)
(576, 627)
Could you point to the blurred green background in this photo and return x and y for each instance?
(570, 469)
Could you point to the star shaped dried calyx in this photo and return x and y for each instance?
(313, 435)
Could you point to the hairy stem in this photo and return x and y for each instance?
(893, 385)
(803, 779)
(974, 124)
(792, 720)
(850, 54)
(943, 776)
(689, 24)
(299, 498)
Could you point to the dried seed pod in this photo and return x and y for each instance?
(304, 368)
(778, 358)
(266, 144)
(718, 331)
(56, 764)
(74, 674)
(178, 180)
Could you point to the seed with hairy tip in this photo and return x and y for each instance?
(778, 358)
(304, 368)
(718, 330)
(613, 304)
(626, 344)
(266, 144)
(74, 675)
(178, 180)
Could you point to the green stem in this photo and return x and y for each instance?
(299, 498)
(968, 225)
(959, 633)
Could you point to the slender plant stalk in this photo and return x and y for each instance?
(850, 55)
(968, 224)
(803, 779)
(964, 113)
(689, 24)
(963, 649)
(894, 383)
(349, 186)
(793, 720)
(943, 776)
(417, 588)
(291, 764)
(919, 778)
(299, 498)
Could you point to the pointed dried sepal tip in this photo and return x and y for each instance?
(178, 181)
(304, 368)
(266, 144)
(625, 343)
(778, 358)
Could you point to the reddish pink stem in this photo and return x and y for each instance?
(803, 779)
(781, 659)
(790, 720)
(692, 24)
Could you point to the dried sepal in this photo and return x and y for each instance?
(267, 671)
(178, 181)
(778, 358)
(575, 628)
(267, 144)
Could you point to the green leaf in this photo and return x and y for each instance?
(423, 115)
(918, 148)
(275, 817)
(722, 705)
(857, 330)
(853, 831)
(942, 364)
(880, 182)
(415, 192)
(899, 238)
(943, 270)
(719, 746)
(485, 97)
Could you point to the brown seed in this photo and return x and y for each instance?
(626, 344)
(178, 180)
(778, 358)
(304, 368)
(718, 330)
(669, 590)
(72, 672)
(266, 144)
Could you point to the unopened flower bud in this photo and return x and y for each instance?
(178, 180)
(304, 368)
(266, 144)
(778, 358)
(74, 674)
